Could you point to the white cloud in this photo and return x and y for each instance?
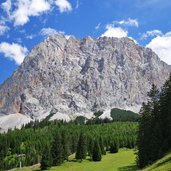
(114, 32)
(63, 5)
(47, 31)
(6, 6)
(97, 26)
(128, 22)
(3, 28)
(161, 45)
(20, 11)
(31, 36)
(13, 51)
(50, 31)
(151, 33)
(28, 8)
(115, 29)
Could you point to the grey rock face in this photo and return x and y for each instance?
(71, 76)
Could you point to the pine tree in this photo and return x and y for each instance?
(73, 147)
(1, 159)
(101, 143)
(96, 152)
(81, 147)
(90, 146)
(114, 146)
(165, 115)
(46, 160)
(107, 143)
(57, 150)
(149, 135)
(65, 143)
(129, 142)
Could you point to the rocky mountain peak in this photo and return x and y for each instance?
(80, 76)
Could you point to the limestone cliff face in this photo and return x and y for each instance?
(71, 76)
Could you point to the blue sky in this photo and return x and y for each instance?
(25, 23)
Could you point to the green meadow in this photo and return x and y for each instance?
(122, 161)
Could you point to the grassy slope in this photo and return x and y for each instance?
(163, 164)
(122, 161)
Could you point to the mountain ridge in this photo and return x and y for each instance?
(71, 77)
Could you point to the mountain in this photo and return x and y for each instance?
(66, 77)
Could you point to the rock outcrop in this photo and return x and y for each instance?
(70, 77)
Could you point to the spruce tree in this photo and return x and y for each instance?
(165, 115)
(57, 150)
(81, 147)
(114, 146)
(96, 151)
(1, 159)
(65, 143)
(107, 143)
(149, 135)
(73, 145)
(90, 146)
(102, 148)
(46, 160)
(129, 143)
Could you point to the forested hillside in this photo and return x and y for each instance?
(50, 143)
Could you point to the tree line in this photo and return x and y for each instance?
(51, 143)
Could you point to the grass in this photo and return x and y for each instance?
(122, 161)
(163, 164)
